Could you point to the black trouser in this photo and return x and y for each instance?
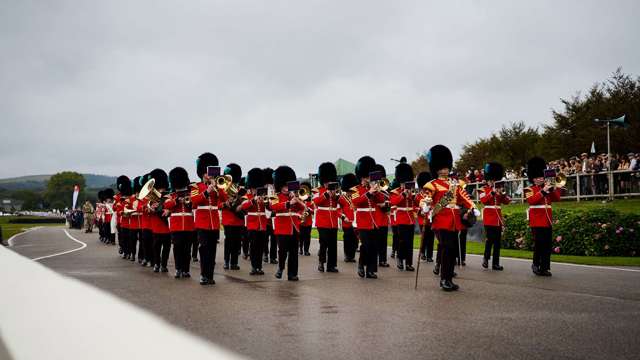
(207, 245)
(123, 239)
(328, 246)
(161, 249)
(381, 243)
(394, 237)
(305, 238)
(194, 245)
(494, 237)
(448, 243)
(257, 240)
(368, 250)
(349, 243)
(147, 241)
(181, 246)
(232, 240)
(271, 245)
(405, 243)
(542, 247)
(288, 250)
(462, 254)
(134, 239)
(426, 246)
(244, 241)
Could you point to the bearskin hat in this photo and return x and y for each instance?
(161, 178)
(135, 184)
(204, 160)
(108, 193)
(439, 157)
(364, 166)
(404, 173)
(327, 173)
(235, 171)
(282, 175)
(348, 181)
(493, 171)
(535, 167)
(178, 178)
(423, 178)
(394, 184)
(379, 167)
(101, 195)
(255, 178)
(123, 183)
(268, 175)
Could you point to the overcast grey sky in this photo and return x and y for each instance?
(115, 87)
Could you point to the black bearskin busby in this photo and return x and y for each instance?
(101, 196)
(255, 178)
(535, 167)
(364, 166)
(348, 181)
(282, 175)
(327, 173)
(268, 175)
(493, 171)
(161, 178)
(204, 160)
(123, 183)
(179, 178)
(136, 184)
(235, 171)
(380, 168)
(439, 157)
(423, 178)
(403, 173)
(108, 193)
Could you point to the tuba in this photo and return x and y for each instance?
(149, 192)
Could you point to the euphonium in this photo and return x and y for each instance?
(149, 192)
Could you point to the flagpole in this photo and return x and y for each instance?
(609, 161)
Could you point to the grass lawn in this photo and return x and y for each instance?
(8, 230)
(622, 205)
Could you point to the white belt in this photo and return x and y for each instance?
(207, 207)
(327, 208)
(287, 214)
(365, 209)
(182, 214)
(135, 214)
(449, 206)
(257, 214)
(405, 209)
(539, 207)
(492, 207)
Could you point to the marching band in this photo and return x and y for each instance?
(268, 216)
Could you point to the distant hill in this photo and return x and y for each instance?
(38, 182)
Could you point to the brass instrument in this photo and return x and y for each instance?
(560, 180)
(225, 182)
(304, 192)
(149, 192)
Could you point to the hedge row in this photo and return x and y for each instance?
(594, 232)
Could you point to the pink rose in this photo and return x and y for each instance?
(556, 250)
(558, 238)
(618, 232)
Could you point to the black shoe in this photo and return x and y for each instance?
(204, 281)
(120, 251)
(260, 272)
(485, 263)
(349, 260)
(139, 261)
(545, 273)
(446, 285)
(145, 264)
(535, 269)
(273, 261)
(321, 267)
(464, 263)
(212, 282)
(235, 267)
(279, 274)
(361, 272)
(400, 265)
(307, 253)
(497, 267)
(265, 259)
(429, 260)
(195, 259)
(293, 278)
(254, 272)
(409, 268)
(372, 275)
(383, 264)
(454, 287)
(156, 269)
(423, 257)
(332, 270)
(132, 259)
(178, 274)
(225, 266)
(300, 252)
(186, 274)
(393, 254)
(436, 269)
(164, 270)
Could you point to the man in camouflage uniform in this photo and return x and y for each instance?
(88, 210)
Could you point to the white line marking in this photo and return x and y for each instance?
(64, 252)
(567, 264)
(11, 239)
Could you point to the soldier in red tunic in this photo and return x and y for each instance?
(179, 209)
(135, 221)
(232, 221)
(423, 207)
(448, 196)
(493, 197)
(145, 226)
(306, 222)
(159, 224)
(349, 238)
(539, 196)
(286, 211)
(382, 217)
(206, 201)
(123, 184)
(403, 199)
(254, 206)
(271, 244)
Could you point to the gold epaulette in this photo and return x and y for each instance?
(429, 186)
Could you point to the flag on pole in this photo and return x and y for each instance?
(76, 192)
(593, 147)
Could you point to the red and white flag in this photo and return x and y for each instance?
(76, 192)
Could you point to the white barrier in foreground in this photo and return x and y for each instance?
(44, 315)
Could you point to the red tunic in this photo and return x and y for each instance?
(365, 206)
(229, 216)
(492, 213)
(405, 212)
(539, 212)
(256, 215)
(181, 218)
(286, 217)
(135, 221)
(328, 209)
(206, 208)
(449, 217)
(146, 215)
(118, 207)
(308, 221)
(346, 213)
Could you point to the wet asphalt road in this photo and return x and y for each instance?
(578, 313)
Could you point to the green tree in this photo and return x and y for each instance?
(60, 189)
(420, 164)
(33, 200)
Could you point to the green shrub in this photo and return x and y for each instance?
(593, 232)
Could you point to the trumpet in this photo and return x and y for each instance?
(304, 192)
(558, 181)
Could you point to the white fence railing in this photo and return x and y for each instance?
(603, 185)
